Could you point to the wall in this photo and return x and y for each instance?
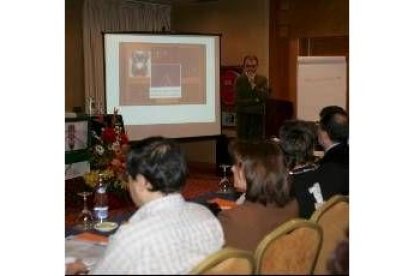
(318, 17)
(74, 65)
(315, 27)
(200, 151)
(244, 25)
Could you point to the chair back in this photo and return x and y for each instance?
(226, 261)
(333, 217)
(292, 248)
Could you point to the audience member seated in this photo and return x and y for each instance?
(166, 235)
(312, 185)
(259, 170)
(333, 134)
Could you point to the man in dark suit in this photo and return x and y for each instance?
(311, 185)
(333, 136)
(251, 93)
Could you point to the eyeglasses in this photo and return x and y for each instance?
(250, 65)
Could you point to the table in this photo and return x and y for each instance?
(121, 215)
(118, 215)
(90, 252)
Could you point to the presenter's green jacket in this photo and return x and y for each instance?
(250, 104)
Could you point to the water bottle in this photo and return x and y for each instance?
(101, 201)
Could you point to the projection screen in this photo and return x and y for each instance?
(164, 84)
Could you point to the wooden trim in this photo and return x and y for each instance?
(291, 35)
(293, 68)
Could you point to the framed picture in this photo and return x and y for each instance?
(77, 143)
(228, 119)
(76, 135)
(77, 139)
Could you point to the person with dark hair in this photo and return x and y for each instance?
(298, 140)
(333, 135)
(312, 185)
(258, 170)
(332, 109)
(251, 93)
(166, 235)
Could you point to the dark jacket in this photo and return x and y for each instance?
(339, 154)
(318, 185)
(250, 105)
(250, 100)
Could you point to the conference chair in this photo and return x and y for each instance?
(226, 261)
(333, 217)
(291, 248)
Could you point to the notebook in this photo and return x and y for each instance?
(91, 237)
(223, 203)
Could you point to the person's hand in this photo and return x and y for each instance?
(250, 76)
(76, 267)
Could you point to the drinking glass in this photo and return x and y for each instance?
(225, 184)
(85, 218)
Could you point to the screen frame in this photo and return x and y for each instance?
(217, 65)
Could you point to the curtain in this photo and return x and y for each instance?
(115, 16)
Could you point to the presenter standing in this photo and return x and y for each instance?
(251, 94)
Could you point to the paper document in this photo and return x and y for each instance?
(87, 251)
(91, 237)
(224, 204)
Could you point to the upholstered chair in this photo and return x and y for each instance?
(333, 217)
(226, 261)
(292, 248)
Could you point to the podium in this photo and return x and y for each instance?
(275, 113)
(250, 121)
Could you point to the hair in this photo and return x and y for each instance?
(334, 120)
(332, 109)
(297, 141)
(161, 161)
(250, 57)
(264, 169)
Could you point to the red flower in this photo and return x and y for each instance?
(124, 139)
(108, 135)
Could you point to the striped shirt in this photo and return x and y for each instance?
(165, 236)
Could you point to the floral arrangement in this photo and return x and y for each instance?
(108, 156)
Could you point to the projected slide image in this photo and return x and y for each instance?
(161, 73)
(166, 81)
(139, 64)
(166, 75)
